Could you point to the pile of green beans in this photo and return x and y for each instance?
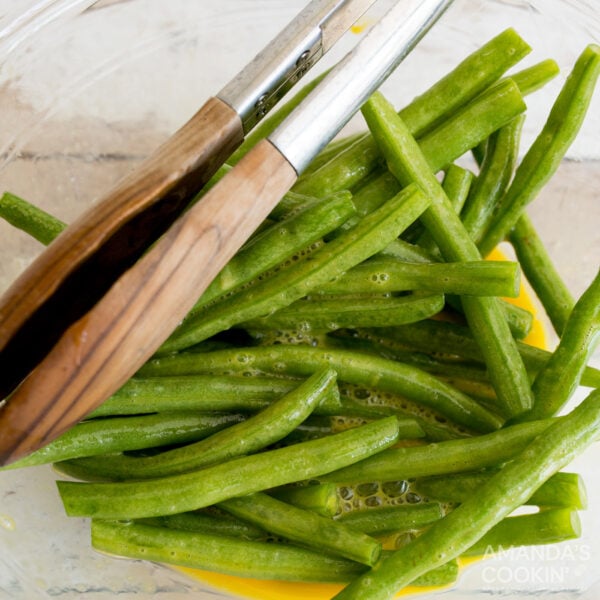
(352, 400)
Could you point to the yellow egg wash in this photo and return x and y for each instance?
(256, 589)
(361, 25)
(537, 335)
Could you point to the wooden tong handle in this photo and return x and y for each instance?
(99, 352)
(81, 264)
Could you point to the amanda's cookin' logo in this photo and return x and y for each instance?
(545, 567)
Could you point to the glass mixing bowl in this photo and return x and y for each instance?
(89, 88)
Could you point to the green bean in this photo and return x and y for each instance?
(316, 314)
(441, 576)
(299, 525)
(407, 252)
(457, 340)
(459, 87)
(220, 553)
(259, 560)
(372, 234)
(409, 427)
(452, 456)
(479, 390)
(369, 195)
(289, 204)
(369, 341)
(320, 498)
(465, 525)
(392, 518)
(475, 122)
(545, 527)
(414, 423)
(203, 392)
(518, 319)
(540, 272)
(444, 339)
(467, 80)
(441, 146)
(236, 477)
(79, 469)
(211, 521)
(216, 343)
(374, 191)
(351, 367)
(381, 186)
(438, 432)
(267, 427)
(484, 315)
(25, 216)
(120, 434)
(528, 80)
(278, 243)
(457, 183)
(547, 151)
(45, 227)
(562, 490)
(379, 275)
(317, 427)
(268, 359)
(478, 151)
(343, 171)
(561, 375)
(535, 77)
(440, 338)
(496, 171)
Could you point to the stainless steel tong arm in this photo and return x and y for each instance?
(329, 106)
(283, 62)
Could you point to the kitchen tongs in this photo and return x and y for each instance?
(79, 268)
(97, 304)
